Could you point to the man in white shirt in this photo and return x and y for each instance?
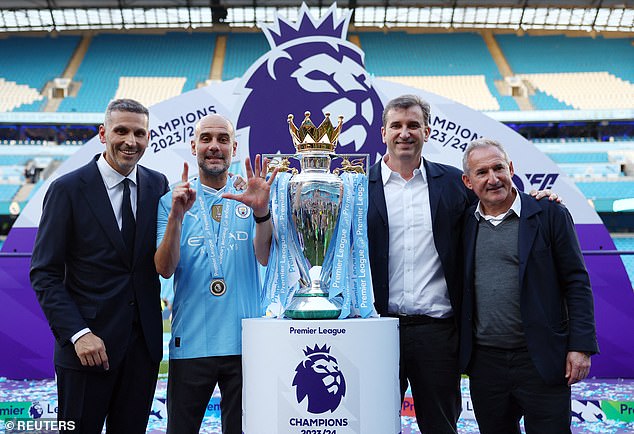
(414, 226)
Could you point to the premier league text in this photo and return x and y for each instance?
(316, 331)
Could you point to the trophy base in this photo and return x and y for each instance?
(313, 306)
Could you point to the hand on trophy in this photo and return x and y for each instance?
(258, 189)
(183, 196)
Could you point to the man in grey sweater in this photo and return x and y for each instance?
(527, 329)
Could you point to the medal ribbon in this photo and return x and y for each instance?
(216, 246)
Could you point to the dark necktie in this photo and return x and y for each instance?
(128, 225)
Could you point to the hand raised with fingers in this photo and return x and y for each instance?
(183, 196)
(258, 189)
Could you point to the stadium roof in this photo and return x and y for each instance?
(564, 15)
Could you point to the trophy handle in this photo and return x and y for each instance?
(354, 163)
(280, 162)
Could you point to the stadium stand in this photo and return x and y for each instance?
(111, 56)
(544, 101)
(432, 55)
(242, 50)
(15, 95)
(150, 90)
(8, 191)
(21, 83)
(580, 157)
(578, 72)
(530, 54)
(12, 173)
(470, 90)
(607, 189)
(459, 66)
(583, 90)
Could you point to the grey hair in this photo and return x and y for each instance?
(126, 105)
(481, 143)
(404, 102)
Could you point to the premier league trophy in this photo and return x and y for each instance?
(314, 276)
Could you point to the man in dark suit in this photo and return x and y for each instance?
(527, 329)
(93, 273)
(415, 257)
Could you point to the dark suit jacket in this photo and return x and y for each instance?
(556, 297)
(448, 199)
(81, 272)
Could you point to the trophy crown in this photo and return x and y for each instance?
(309, 138)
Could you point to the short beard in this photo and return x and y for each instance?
(214, 171)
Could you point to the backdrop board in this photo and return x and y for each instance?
(311, 66)
(320, 376)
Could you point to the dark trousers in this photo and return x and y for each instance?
(429, 361)
(122, 397)
(505, 386)
(190, 384)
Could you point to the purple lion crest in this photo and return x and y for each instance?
(36, 411)
(319, 379)
(310, 67)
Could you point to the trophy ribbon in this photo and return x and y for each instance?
(270, 282)
(216, 245)
(336, 269)
(362, 289)
(281, 280)
(346, 219)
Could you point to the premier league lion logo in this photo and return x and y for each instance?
(310, 67)
(36, 411)
(319, 379)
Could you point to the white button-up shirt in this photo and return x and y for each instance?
(416, 279)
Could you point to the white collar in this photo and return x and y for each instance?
(516, 207)
(111, 177)
(386, 172)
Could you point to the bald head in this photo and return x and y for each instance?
(214, 119)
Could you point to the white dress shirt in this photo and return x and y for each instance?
(113, 181)
(416, 279)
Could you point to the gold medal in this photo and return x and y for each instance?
(218, 287)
